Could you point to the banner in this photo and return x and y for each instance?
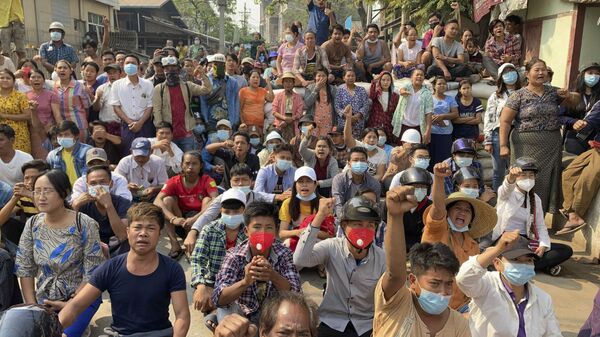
(348, 23)
(482, 7)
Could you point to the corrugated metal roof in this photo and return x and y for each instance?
(584, 1)
(142, 3)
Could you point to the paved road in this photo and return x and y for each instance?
(572, 293)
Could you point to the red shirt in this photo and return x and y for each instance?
(189, 200)
(178, 113)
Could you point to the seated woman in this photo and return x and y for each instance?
(183, 197)
(60, 248)
(321, 159)
(319, 102)
(520, 208)
(385, 100)
(287, 108)
(377, 159)
(456, 221)
(308, 59)
(349, 94)
(408, 57)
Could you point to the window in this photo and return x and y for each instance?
(95, 26)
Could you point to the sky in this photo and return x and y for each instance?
(253, 17)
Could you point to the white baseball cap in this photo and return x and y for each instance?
(234, 194)
(411, 136)
(305, 171)
(504, 66)
(272, 135)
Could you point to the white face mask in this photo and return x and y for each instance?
(526, 184)
(420, 194)
(289, 37)
(93, 190)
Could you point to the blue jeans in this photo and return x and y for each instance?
(499, 165)
(186, 144)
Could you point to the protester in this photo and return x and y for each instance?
(278, 177)
(372, 54)
(436, 29)
(287, 50)
(501, 47)
(470, 109)
(463, 154)
(377, 159)
(520, 209)
(385, 99)
(409, 55)
(591, 327)
(70, 156)
(508, 82)
(321, 159)
(309, 59)
(320, 19)
(306, 127)
(337, 52)
(252, 102)
(234, 151)
(13, 29)
(422, 308)
(319, 102)
(141, 283)
(265, 156)
(534, 110)
(256, 269)
(100, 138)
(106, 112)
(163, 146)
(287, 108)
(445, 109)
(449, 55)
(414, 108)
(56, 49)
(11, 160)
(58, 232)
(44, 113)
(498, 297)
(349, 94)
(16, 110)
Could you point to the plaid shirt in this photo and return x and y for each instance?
(449, 181)
(232, 271)
(511, 46)
(54, 53)
(210, 251)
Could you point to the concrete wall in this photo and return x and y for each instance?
(554, 47)
(542, 8)
(590, 50)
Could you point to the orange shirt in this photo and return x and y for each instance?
(252, 106)
(461, 244)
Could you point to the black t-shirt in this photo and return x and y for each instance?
(139, 303)
(229, 160)
(413, 224)
(112, 151)
(90, 209)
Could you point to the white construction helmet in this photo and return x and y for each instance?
(56, 25)
(219, 58)
(411, 136)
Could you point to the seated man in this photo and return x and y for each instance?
(215, 240)
(145, 172)
(69, 157)
(278, 177)
(337, 52)
(241, 179)
(256, 269)
(96, 156)
(101, 138)
(141, 283)
(164, 147)
(463, 155)
(109, 210)
(505, 302)
(234, 151)
(372, 54)
(273, 139)
(449, 55)
(347, 307)
(422, 309)
(21, 202)
(222, 134)
(347, 183)
(11, 160)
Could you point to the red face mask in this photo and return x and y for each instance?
(262, 241)
(26, 71)
(361, 238)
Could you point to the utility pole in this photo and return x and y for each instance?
(245, 15)
(222, 5)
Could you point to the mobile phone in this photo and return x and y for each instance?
(328, 5)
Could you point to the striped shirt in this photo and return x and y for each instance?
(74, 102)
(27, 206)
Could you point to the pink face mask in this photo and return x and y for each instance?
(361, 238)
(261, 241)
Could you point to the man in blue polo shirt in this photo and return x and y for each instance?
(320, 18)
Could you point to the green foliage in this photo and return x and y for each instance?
(203, 16)
(420, 9)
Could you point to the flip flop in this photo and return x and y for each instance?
(564, 213)
(209, 321)
(570, 228)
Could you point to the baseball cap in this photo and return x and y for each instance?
(110, 67)
(247, 60)
(272, 135)
(411, 136)
(95, 153)
(305, 171)
(157, 60)
(504, 66)
(520, 248)
(224, 122)
(234, 194)
(336, 130)
(140, 147)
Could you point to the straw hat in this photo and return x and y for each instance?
(485, 217)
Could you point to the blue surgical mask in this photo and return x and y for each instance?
(422, 163)
(518, 273)
(289, 37)
(359, 167)
(420, 194)
(456, 229)
(381, 140)
(433, 303)
(130, 69)
(254, 141)
(222, 135)
(370, 147)
(472, 192)
(232, 221)
(463, 161)
(244, 189)
(591, 79)
(307, 198)
(304, 130)
(283, 165)
(66, 142)
(510, 77)
(273, 64)
(270, 147)
(55, 36)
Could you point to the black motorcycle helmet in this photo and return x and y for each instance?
(415, 175)
(360, 208)
(526, 164)
(465, 173)
(29, 320)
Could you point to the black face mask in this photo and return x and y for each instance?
(172, 79)
(247, 69)
(219, 71)
(432, 25)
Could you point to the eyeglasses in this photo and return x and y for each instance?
(38, 192)
(169, 61)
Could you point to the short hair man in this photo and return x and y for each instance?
(164, 147)
(11, 160)
(320, 19)
(141, 283)
(106, 112)
(448, 55)
(337, 51)
(102, 138)
(422, 309)
(234, 151)
(69, 157)
(278, 177)
(257, 268)
(373, 53)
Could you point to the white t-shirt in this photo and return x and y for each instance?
(107, 111)
(410, 54)
(10, 172)
(411, 114)
(379, 158)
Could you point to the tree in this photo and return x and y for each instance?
(202, 16)
(297, 9)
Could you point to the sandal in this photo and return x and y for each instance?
(569, 228)
(176, 255)
(564, 213)
(209, 322)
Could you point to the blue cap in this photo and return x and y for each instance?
(272, 54)
(140, 147)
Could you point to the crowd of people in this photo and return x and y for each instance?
(333, 151)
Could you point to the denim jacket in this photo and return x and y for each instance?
(212, 113)
(56, 161)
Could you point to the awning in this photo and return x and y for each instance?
(584, 1)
